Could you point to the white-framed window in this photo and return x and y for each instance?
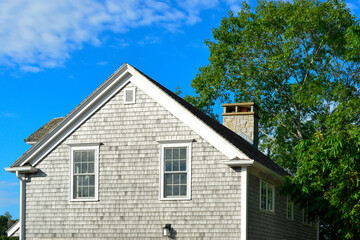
(267, 196)
(289, 209)
(129, 95)
(175, 171)
(84, 172)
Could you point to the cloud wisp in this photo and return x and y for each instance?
(41, 34)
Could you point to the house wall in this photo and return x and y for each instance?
(129, 205)
(267, 226)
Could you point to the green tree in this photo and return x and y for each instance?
(5, 223)
(327, 181)
(299, 61)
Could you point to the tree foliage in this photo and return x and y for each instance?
(299, 61)
(328, 180)
(6, 222)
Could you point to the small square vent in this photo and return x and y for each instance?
(129, 95)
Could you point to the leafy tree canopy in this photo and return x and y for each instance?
(299, 61)
(5, 223)
(327, 181)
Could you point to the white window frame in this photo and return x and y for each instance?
(273, 198)
(133, 89)
(74, 147)
(188, 170)
(309, 224)
(287, 209)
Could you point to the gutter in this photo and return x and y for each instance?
(20, 174)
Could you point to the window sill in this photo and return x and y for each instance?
(267, 212)
(176, 199)
(84, 200)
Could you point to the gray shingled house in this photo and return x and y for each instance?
(133, 158)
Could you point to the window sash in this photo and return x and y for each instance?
(175, 171)
(266, 196)
(290, 209)
(84, 172)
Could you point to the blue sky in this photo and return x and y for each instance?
(53, 54)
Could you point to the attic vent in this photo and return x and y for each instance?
(129, 96)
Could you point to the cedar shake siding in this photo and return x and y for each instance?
(268, 226)
(129, 205)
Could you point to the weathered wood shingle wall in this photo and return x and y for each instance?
(268, 226)
(129, 205)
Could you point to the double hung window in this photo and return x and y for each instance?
(84, 173)
(290, 209)
(267, 196)
(175, 171)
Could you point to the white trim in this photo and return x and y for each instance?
(239, 163)
(31, 143)
(308, 224)
(133, 89)
(113, 85)
(188, 145)
(244, 204)
(273, 198)
(96, 169)
(116, 82)
(287, 209)
(24, 169)
(13, 231)
(184, 115)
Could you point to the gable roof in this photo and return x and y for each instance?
(226, 140)
(41, 132)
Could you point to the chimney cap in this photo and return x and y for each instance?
(245, 104)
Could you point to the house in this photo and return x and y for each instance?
(135, 161)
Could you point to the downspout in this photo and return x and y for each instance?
(22, 205)
(244, 205)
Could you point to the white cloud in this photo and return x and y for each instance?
(37, 34)
(8, 115)
(150, 40)
(194, 7)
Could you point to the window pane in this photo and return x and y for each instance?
(84, 168)
(183, 165)
(168, 179)
(91, 191)
(176, 153)
(183, 178)
(176, 165)
(86, 180)
(176, 179)
(168, 166)
(176, 191)
(183, 190)
(168, 153)
(168, 190)
(183, 153)
(84, 156)
(77, 167)
(85, 192)
(91, 168)
(91, 156)
(77, 156)
(92, 180)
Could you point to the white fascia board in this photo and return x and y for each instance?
(23, 169)
(186, 116)
(268, 171)
(239, 163)
(117, 81)
(13, 230)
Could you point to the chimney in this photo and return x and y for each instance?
(243, 119)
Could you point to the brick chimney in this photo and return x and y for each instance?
(243, 119)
